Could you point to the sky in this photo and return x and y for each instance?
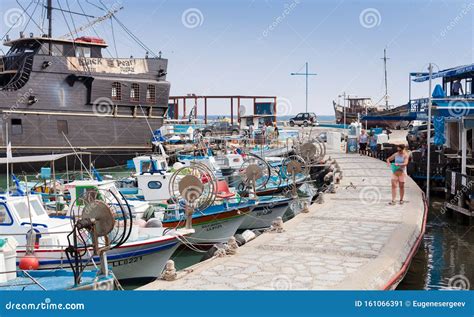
(250, 47)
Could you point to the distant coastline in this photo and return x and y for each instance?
(280, 118)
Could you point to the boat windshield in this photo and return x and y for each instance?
(23, 211)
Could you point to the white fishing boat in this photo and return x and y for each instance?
(142, 256)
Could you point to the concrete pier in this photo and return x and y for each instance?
(354, 240)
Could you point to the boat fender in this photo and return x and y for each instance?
(212, 251)
(248, 235)
(141, 223)
(153, 223)
(240, 240)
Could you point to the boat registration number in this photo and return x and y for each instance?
(264, 212)
(132, 260)
(212, 226)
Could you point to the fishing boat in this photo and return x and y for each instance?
(13, 279)
(215, 224)
(268, 209)
(142, 256)
(54, 86)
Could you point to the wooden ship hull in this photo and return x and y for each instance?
(353, 115)
(107, 106)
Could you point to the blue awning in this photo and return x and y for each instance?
(450, 72)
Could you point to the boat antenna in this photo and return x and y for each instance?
(78, 156)
(385, 58)
(9, 151)
(160, 146)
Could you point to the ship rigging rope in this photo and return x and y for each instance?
(88, 21)
(70, 32)
(135, 38)
(14, 24)
(130, 33)
(30, 17)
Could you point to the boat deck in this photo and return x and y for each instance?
(354, 240)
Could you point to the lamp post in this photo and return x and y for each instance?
(428, 138)
(344, 98)
(306, 74)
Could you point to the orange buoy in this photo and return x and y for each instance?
(29, 262)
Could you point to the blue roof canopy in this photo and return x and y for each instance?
(450, 72)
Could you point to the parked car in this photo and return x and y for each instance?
(323, 137)
(418, 133)
(220, 128)
(415, 123)
(304, 119)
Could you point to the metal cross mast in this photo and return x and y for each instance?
(306, 74)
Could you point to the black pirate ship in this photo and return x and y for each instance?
(58, 93)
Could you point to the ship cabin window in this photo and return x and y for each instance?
(17, 127)
(135, 93)
(5, 218)
(151, 94)
(56, 49)
(83, 51)
(116, 91)
(62, 127)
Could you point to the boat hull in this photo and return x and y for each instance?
(263, 216)
(214, 228)
(141, 260)
(352, 116)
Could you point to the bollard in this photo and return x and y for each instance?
(169, 273)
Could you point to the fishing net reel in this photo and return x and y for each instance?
(255, 173)
(193, 188)
(101, 221)
(293, 166)
(312, 151)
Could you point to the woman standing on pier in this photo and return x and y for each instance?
(400, 159)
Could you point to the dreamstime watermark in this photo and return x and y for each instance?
(370, 195)
(283, 106)
(21, 100)
(370, 18)
(458, 197)
(47, 304)
(192, 18)
(458, 108)
(281, 283)
(14, 18)
(457, 19)
(103, 106)
(289, 7)
(459, 282)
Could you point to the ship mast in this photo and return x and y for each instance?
(49, 8)
(385, 71)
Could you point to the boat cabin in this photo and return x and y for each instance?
(15, 215)
(22, 50)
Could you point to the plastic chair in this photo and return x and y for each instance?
(223, 190)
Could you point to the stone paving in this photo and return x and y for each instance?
(354, 240)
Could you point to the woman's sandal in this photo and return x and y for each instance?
(402, 202)
(392, 203)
